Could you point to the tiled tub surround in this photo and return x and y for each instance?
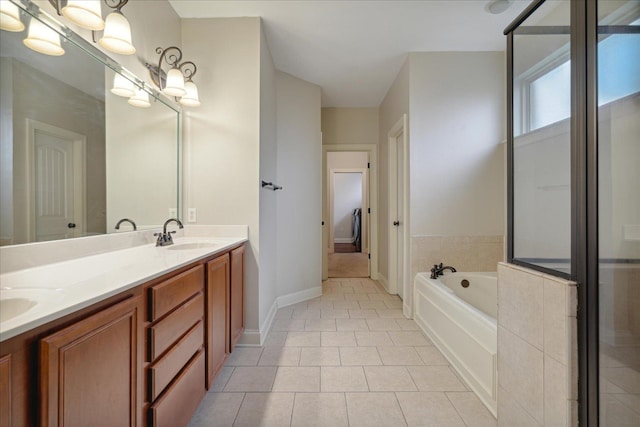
(347, 358)
(66, 276)
(465, 253)
(537, 349)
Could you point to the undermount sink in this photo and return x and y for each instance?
(192, 246)
(13, 307)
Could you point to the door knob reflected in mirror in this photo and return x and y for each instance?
(396, 223)
(71, 225)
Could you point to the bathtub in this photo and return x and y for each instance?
(461, 322)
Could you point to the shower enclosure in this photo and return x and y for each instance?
(574, 181)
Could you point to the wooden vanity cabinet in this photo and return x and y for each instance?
(237, 296)
(5, 390)
(90, 372)
(218, 293)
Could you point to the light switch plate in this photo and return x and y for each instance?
(191, 215)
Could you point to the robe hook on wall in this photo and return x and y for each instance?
(271, 186)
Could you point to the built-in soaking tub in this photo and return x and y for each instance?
(461, 322)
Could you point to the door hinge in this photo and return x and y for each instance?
(368, 210)
(369, 256)
(368, 165)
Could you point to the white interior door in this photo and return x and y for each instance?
(399, 218)
(398, 214)
(57, 165)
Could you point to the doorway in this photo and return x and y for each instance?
(344, 166)
(56, 170)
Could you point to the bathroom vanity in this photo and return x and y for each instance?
(141, 351)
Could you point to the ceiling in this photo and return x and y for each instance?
(354, 49)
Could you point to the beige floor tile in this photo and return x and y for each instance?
(389, 378)
(217, 409)
(297, 379)
(346, 305)
(334, 314)
(343, 378)
(391, 314)
(430, 355)
(338, 339)
(374, 410)
(275, 339)
(250, 378)
(400, 356)
(320, 356)
(393, 304)
(280, 325)
(265, 410)
(407, 324)
(351, 325)
(382, 325)
(284, 313)
(356, 297)
(305, 313)
(221, 379)
(471, 409)
(363, 314)
(303, 339)
(373, 305)
(359, 356)
(378, 297)
(320, 325)
(373, 339)
(244, 356)
(435, 378)
(319, 410)
(429, 409)
(280, 356)
(412, 338)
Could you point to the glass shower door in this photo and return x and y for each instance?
(618, 56)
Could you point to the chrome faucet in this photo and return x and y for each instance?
(126, 220)
(164, 238)
(438, 270)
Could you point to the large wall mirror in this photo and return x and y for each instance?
(74, 157)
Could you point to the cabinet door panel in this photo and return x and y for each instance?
(217, 315)
(5, 390)
(90, 371)
(237, 295)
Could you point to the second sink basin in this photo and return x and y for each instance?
(192, 245)
(18, 301)
(14, 307)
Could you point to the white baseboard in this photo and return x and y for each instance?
(250, 338)
(383, 281)
(299, 296)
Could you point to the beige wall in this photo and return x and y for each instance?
(537, 349)
(349, 126)
(222, 136)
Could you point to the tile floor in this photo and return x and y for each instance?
(348, 358)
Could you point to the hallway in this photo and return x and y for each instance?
(347, 358)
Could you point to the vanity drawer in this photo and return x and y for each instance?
(166, 368)
(181, 399)
(163, 334)
(169, 294)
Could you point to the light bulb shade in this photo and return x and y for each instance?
(43, 39)
(122, 86)
(117, 35)
(10, 17)
(190, 99)
(175, 83)
(140, 99)
(85, 13)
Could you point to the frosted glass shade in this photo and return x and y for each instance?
(140, 99)
(43, 39)
(190, 99)
(117, 35)
(84, 13)
(175, 83)
(10, 17)
(122, 86)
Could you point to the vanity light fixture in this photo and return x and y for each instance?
(87, 14)
(43, 39)
(140, 99)
(10, 17)
(122, 86)
(172, 82)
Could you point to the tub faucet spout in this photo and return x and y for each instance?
(438, 270)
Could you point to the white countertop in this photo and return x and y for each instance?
(53, 290)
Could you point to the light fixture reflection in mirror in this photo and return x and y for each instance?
(122, 86)
(140, 99)
(10, 17)
(43, 39)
